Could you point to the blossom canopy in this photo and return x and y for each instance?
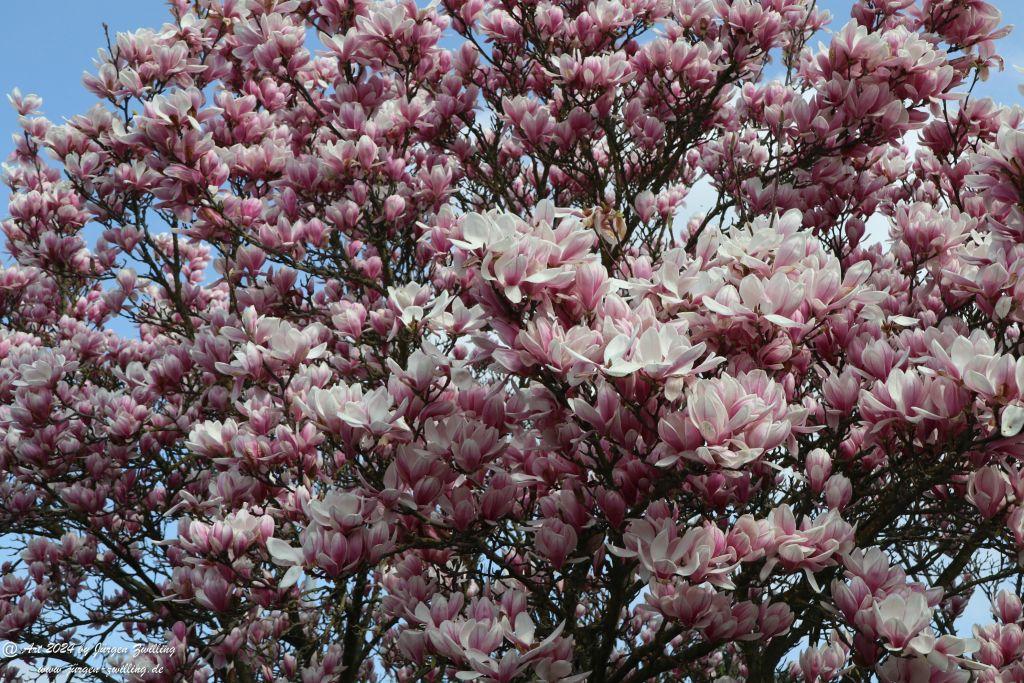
(520, 340)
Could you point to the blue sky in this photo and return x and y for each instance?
(49, 43)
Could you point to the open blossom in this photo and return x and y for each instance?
(342, 406)
(730, 422)
(699, 554)
(811, 545)
(944, 652)
(663, 354)
(899, 619)
(411, 301)
(527, 258)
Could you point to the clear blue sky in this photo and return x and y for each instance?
(47, 45)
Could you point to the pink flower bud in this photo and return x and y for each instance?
(987, 490)
(613, 505)
(555, 540)
(838, 492)
(127, 279)
(645, 205)
(393, 207)
(818, 468)
(591, 283)
(1007, 607)
(854, 231)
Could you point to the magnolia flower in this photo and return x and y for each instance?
(212, 591)
(44, 372)
(340, 510)
(555, 540)
(212, 439)
(987, 489)
(1007, 607)
(662, 353)
(519, 270)
(899, 619)
(294, 346)
(822, 662)
(738, 418)
(343, 405)
(818, 468)
(944, 652)
(278, 339)
(813, 545)
(411, 304)
(488, 230)
(910, 670)
(700, 554)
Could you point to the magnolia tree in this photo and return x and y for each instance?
(370, 341)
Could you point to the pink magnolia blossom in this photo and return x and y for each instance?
(898, 620)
